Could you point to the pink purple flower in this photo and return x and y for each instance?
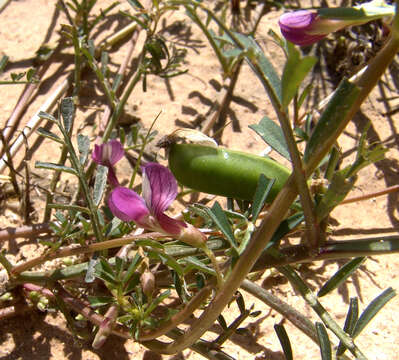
(159, 191)
(297, 27)
(108, 154)
(305, 27)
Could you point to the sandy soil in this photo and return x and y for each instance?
(189, 99)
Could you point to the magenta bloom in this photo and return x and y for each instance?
(305, 27)
(299, 26)
(109, 154)
(159, 191)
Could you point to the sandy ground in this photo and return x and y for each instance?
(189, 99)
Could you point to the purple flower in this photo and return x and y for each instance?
(159, 191)
(109, 154)
(305, 27)
(297, 27)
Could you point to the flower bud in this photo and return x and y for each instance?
(147, 280)
(192, 236)
(305, 27)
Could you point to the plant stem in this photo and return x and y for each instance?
(83, 249)
(24, 231)
(388, 190)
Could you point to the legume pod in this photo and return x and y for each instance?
(219, 171)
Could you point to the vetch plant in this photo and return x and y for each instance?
(132, 270)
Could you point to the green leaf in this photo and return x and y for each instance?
(48, 134)
(219, 217)
(100, 183)
(104, 63)
(272, 135)
(150, 243)
(240, 302)
(304, 95)
(46, 116)
(132, 283)
(84, 147)
(119, 265)
(284, 341)
(350, 322)
(30, 73)
(171, 262)
(222, 322)
(3, 62)
(197, 264)
(104, 271)
(372, 309)
(90, 273)
(98, 301)
(135, 4)
(341, 275)
(333, 159)
(179, 286)
(156, 302)
(55, 167)
(295, 71)
(368, 11)
(324, 341)
(132, 268)
(332, 117)
(115, 85)
(285, 227)
(67, 109)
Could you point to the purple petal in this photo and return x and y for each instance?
(108, 154)
(113, 180)
(170, 225)
(159, 188)
(97, 154)
(296, 27)
(116, 152)
(127, 205)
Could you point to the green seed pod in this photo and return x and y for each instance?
(219, 171)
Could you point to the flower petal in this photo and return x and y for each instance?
(159, 187)
(116, 152)
(113, 180)
(108, 154)
(127, 205)
(170, 225)
(97, 154)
